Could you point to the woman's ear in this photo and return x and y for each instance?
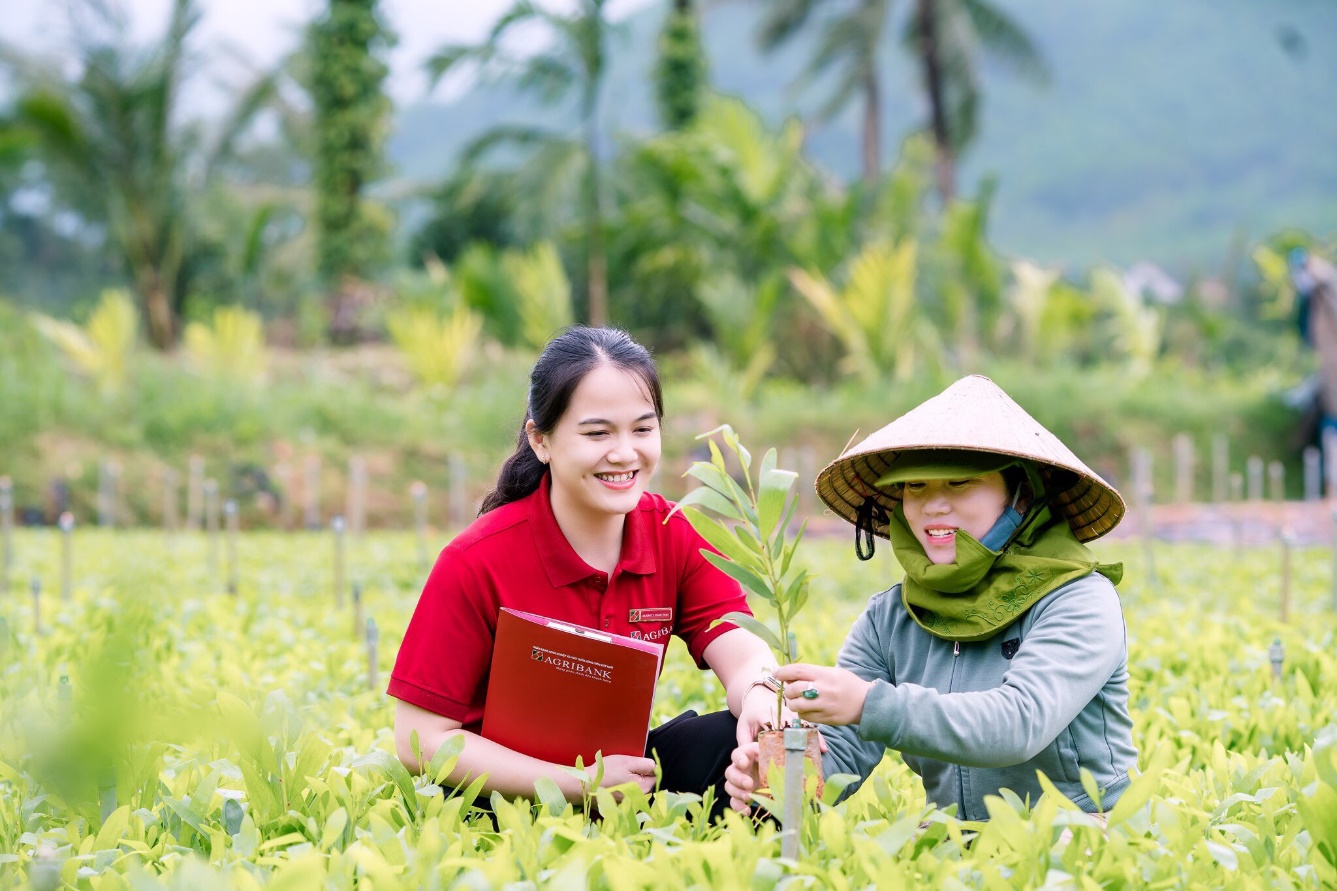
(536, 441)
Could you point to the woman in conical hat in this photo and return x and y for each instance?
(1002, 652)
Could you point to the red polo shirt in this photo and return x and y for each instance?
(516, 556)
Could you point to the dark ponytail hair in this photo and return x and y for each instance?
(565, 361)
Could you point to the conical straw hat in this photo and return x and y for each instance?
(976, 415)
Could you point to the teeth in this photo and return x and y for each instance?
(940, 533)
(616, 477)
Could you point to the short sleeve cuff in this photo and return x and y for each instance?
(696, 647)
(411, 693)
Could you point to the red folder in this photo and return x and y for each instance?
(558, 690)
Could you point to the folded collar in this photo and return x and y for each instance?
(561, 562)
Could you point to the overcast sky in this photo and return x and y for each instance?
(266, 29)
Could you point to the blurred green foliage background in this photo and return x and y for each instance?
(815, 216)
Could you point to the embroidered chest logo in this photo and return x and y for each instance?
(1010, 647)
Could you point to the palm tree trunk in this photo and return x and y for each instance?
(872, 126)
(158, 310)
(596, 261)
(597, 268)
(932, 72)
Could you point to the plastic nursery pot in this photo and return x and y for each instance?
(772, 745)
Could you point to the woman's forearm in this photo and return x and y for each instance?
(738, 658)
(507, 771)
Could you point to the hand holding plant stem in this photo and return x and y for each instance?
(751, 536)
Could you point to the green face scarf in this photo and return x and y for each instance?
(984, 590)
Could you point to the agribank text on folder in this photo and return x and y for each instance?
(557, 690)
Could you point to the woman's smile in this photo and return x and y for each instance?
(940, 535)
(619, 481)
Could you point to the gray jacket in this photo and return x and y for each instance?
(1048, 692)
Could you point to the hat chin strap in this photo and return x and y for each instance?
(867, 518)
(1036, 515)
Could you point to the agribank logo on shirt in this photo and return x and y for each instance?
(568, 664)
(651, 635)
(651, 615)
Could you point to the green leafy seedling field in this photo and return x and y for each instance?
(204, 740)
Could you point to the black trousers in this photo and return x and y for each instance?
(693, 751)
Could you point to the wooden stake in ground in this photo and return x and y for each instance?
(195, 493)
(357, 496)
(6, 532)
(1287, 546)
(211, 525)
(106, 793)
(1254, 466)
(1183, 447)
(337, 527)
(1276, 480)
(1332, 530)
(169, 498)
(1277, 656)
(1220, 467)
(117, 515)
(233, 522)
(418, 492)
(357, 609)
(1236, 521)
(104, 487)
(1312, 473)
(287, 500)
(373, 672)
(1138, 462)
(311, 492)
(36, 588)
(1328, 442)
(100, 502)
(66, 556)
(796, 743)
(1142, 476)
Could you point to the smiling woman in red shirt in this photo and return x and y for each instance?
(571, 533)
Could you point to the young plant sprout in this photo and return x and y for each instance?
(751, 534)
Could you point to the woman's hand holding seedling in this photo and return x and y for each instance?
(758, 713)
(839, 694)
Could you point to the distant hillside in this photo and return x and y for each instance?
(1168, 129)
